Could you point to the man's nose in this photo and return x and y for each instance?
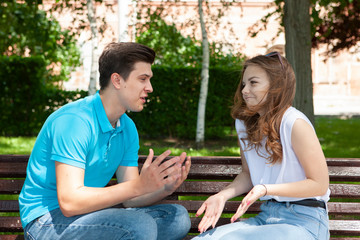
(148, 87)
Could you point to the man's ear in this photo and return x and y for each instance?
(116, 80)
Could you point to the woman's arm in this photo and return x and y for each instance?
(214, 205)
(308, 150)
(241, 184)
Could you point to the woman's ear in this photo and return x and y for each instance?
(116, 80)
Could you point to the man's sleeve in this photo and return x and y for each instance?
(71, 137)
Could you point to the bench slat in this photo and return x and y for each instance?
(13, 169)
(9, 206)
(342, 227)
(10, 224)
(13, 186)
(343, 208)
(208, 168)
(12, 237)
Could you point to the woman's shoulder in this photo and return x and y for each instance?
(239, 124)
(291, 115)
(240, 128)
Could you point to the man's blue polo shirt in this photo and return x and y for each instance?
(78, 134)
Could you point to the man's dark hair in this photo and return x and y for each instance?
(120, 58)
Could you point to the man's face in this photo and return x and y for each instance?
(136, 88)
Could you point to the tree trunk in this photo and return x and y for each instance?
(200, 127)
(94, 46)
(298, 52)
(123, 11)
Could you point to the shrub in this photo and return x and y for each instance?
(171, 110)
(25, 98)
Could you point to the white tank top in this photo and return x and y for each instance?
(289, 170)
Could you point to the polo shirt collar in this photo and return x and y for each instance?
(103, 120)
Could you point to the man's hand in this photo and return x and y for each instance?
(213, 208)
(184, 171)
(156, 174)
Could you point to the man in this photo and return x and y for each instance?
(83, 144)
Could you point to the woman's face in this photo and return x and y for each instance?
(256, 84)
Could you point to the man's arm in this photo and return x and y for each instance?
(75, 198)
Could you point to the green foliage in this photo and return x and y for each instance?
(25, 99)
(173, 49)
(21, 92)
(333, 22)
(336, 23)
(27, 31)
(172, 107)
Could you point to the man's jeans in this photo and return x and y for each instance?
(280, 221)
(165, 221)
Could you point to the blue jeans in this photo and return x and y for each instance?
(164, 221)
(280, 221)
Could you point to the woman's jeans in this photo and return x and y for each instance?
(164, 221)
(276, 221)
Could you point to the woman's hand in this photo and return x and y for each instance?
(256, 192)
(213, 208)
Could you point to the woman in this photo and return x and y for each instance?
(282, 162)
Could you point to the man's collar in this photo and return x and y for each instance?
(102, 117)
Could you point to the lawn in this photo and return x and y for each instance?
(338, 138)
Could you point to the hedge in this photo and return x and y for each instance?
(171, 110)
(25, 98)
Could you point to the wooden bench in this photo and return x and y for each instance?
(344, 206)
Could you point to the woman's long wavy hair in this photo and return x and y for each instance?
(279, 98)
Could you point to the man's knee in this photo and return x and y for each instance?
(179, 221)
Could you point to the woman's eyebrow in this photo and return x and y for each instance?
(251, 78)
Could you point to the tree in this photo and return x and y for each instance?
(332, 22)
(123, 19)
(200, 126)
(33, 33)
(94, 46)
(298, 52)
(336, 24)
(172, 48)
(84, 17)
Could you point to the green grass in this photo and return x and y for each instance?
(338, 138)
(16, 145)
